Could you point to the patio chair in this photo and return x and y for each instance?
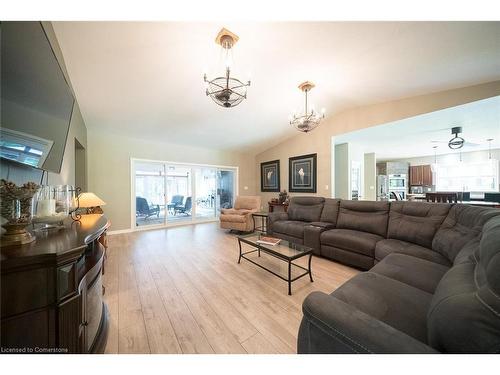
(143, 209)
(184, 209)
(175, 202)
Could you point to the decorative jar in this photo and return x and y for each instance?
(52, 204)
(16, 210)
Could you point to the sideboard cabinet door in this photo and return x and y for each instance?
(70, 324)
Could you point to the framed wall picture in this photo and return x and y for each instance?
(302, 174)
(270, 176)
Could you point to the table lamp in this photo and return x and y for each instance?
(91, 202)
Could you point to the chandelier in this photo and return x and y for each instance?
(226, 91)
(309, 120)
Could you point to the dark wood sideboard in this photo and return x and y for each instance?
(52, 292)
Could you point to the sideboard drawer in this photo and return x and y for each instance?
(37, 286)
(66, 280)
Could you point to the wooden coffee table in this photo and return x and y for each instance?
(285, 251)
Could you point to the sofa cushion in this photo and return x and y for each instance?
(393, 302)
(348, 257)
(353, 240)
(290, 227)
(416, 272)
(305, 208)
(365, 216)
(466, 255)
(464, 316)
(416, 222)
(462, 224)
(330, 211)
(386, 247)
(489, 262)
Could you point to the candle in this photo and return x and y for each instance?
(46, 207)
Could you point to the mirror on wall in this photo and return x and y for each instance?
(36, 100)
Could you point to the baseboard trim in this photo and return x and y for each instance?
(119, 231)
(155, 227)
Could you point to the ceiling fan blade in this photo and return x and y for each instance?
(471, 144)
(435, 130)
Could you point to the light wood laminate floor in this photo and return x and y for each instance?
(181, 290)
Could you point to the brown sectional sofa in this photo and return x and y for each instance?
(433, 284)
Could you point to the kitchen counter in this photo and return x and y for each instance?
(421, 197)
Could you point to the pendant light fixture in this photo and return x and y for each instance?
(489, 147)
(456, 142)
(310, 119)
(226, 91)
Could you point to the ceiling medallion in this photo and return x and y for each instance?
(310, 119)
(226, 91)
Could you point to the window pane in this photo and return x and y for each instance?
(475, 177)
(179, 195)
(149, 194)
(205, 192)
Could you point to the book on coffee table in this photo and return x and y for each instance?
(269, 241)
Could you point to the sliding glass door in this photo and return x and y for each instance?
(179, 193)
(206, 182)
(149, 194)
(168, 193)
(225, 189)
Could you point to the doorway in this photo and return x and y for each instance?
(80, 166)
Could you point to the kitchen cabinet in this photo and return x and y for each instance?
(421, 175)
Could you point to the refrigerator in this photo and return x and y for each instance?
(382, 188)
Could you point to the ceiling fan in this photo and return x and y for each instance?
(457, 142)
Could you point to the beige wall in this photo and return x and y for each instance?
(319, 140)
(370, 177)
(342, 165)
(109, 160)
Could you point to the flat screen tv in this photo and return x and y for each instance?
(36, 101)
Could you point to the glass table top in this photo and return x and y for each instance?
(284, 248)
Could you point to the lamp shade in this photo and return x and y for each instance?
(90, 200)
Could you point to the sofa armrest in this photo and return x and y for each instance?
(330, 325)
(232, 211)
(273, 217)
(312, 234)
(322, 225)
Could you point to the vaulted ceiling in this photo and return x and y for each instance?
(145, 79)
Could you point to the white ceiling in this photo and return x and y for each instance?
(144, 79)
(413, 137)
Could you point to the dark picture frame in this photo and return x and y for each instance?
(270, 176)
(302, 173)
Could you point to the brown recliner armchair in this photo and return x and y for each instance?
(240, 217)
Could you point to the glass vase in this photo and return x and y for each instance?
(16, 210)
(52, 204)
